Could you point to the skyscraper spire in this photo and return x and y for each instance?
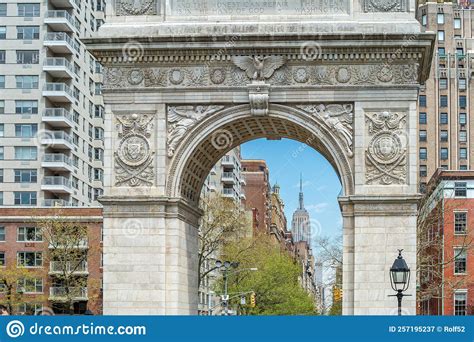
(301, 192)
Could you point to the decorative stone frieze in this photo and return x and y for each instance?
(386, 153)
(385, 5)
(136, 7)
(134, 156)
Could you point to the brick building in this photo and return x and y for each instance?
(21, 243)
(257, 193)
(445, 245)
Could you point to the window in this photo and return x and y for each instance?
(1, 197)
(443, 118)
(3, 10)
(457, 23)
(26, 130)
(443, 83)
(2, 233)
(2, 153)
(463, 167)
(462, 101)
(442, 51)
(27, 56)
(462, 118)
(2, 56)
(443, 136)
(29, 259)
(2, 130)
(460, 223)
(463, 153)
(26, 176)
(3, 32)
(422, 118)
(98, 154)
(28, 10)
(460, 303)
(424, 20)
(423, 171)
(31, 285)
(444, 153)
(443, 101)
(462, 136)
(440, 18)
(1, 175)
(460, 189)
(25, 198)
(422, 100)
(422, 135)
(460, 260)
(2, 82)
(27, 82)
(27, 32)
(462, 84)
(29, 234)
(26, 107)
(440, 35)
(423, 153)
(25, 153)
(2, 259)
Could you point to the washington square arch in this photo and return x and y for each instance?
(185, 81)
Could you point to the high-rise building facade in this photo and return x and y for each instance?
(446, 101)
(51, 108)
(300, 224)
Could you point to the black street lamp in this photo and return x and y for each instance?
(399, 279)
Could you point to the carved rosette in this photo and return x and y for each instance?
(181, 119)
(136, 7)
(384, 5)
(338, 118)
(386, 154)
(134, 156)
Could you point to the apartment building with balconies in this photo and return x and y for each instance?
(51, 108)
(445, 103)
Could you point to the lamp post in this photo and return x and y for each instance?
(399, 279)
(225, 267)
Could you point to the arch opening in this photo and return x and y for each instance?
(212, 138)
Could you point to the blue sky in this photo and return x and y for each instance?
(286, 159)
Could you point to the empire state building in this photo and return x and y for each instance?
(300, 224)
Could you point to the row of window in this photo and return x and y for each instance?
(443, 101)
(443, 83)
(443, 137)
(443, 118)
(31, 107)
(21, 152)
(29, 198)
(25, 259)
(22, 32)
(443, 153)
(440, 20)
(23, 10)
(24, 234)
(22, 176)
(21, 130)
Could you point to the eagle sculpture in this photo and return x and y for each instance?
(259, 68)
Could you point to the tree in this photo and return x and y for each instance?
(10, 278)
(223, 221)
(275, 284)
(69, 247)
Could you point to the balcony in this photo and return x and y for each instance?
(62, 3)
(62, 293)
(60, 21)
(228, 193)
(56, 184)
(59, 42)
(78, 268)
(58, 92)
(57, 139)
(228, 178)
(58, 67)
(55, 203)
(228, 161)
(242, 196)
(57, 117)
(57, 162)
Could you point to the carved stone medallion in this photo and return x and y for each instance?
(384, 5)
(136, 7)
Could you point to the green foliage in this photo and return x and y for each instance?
(275, 283)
